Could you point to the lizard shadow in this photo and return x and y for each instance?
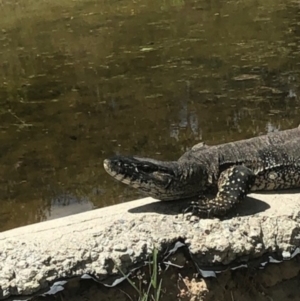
(249, 206)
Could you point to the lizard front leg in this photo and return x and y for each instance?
(233, 185)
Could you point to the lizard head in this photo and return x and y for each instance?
(159, 179)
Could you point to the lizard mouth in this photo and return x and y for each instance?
(139, 172)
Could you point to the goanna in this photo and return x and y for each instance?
(230, 170)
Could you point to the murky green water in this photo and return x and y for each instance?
(83, 80)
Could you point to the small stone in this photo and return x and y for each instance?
(7, 273)
(22, 264)
(130, 252)
(30, 287)
(120, 248)
(259, 247)
(5, 293)
(67, 264)
(94, 256)
(86, 256)
(286, 255)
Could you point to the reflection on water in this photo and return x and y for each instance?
(73, 204)
(81, 81)
(187, 119)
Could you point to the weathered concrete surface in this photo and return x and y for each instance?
(33, 256)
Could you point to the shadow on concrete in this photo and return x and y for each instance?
(249, 206)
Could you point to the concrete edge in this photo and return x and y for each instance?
(93, 242)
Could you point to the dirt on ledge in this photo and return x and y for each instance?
(276, 282)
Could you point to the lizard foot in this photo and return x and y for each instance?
(200, 209)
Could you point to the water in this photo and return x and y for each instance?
(83, 80)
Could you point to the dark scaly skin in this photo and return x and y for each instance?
(232, 170)
(234, 184)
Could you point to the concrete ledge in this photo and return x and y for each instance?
(31, 257)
